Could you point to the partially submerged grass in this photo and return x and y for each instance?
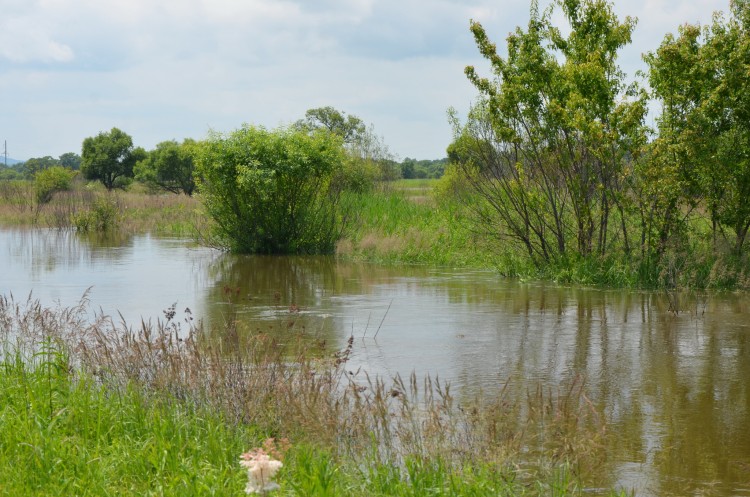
(91, 407)
(136, 211)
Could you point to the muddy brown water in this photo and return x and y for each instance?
(675, 388)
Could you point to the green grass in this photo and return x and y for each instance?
(62, 433)
(390, 226)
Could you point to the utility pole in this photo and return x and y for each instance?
(6, 153)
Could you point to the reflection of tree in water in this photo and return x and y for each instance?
(674, 388)
(45, 250)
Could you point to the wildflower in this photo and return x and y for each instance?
(261, 469)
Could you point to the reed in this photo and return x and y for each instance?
(167, 407)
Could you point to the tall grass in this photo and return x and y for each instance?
(90, 407)
(89, 207)
(394, 226)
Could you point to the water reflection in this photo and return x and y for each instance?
(674, 388)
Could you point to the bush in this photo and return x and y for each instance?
(273, 192)
(51, 180)
(101, 218)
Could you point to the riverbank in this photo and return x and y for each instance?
(401, 222)
(99, 409)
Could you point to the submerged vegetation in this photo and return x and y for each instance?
(94, 408)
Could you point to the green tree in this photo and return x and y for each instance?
(369, 156)
(548, 147)
(110, 157)
(350, 128)
(34, 165)
(70, 160)
(701, 78)
(273, 192)
(169, 167)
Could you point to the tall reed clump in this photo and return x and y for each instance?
(94, 407)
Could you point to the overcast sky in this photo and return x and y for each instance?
(172, 69)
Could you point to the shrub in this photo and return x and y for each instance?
(51, 180)
(102, 217)
(273, 192)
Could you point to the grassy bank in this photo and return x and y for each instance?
(99, 409)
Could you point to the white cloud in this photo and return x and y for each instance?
(24, 40)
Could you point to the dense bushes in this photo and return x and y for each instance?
(51, 180)
(273, 192)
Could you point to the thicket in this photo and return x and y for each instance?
(51, 180)
(555, 158)
(273, 191)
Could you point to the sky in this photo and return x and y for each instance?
(174, 69)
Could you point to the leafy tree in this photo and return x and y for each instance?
(701, 77)
(34, 165)
(349, 128)
(110, 157)
(169, 167)
(51, 180)
(70, 160)
(369, 156)
(273, 192)
(549, 144)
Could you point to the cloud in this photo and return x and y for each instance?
(173, 68)
(23, 40)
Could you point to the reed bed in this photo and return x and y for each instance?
(182, 403)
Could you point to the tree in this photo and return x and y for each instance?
(701, 77)
(370, 158)
(109, 157)
(169, 167)
(549, 144)
(34, 165)
(349, 128)
(273, 192)
(70, 160)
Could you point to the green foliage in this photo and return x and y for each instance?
(51, 180)
(273, 191)
(63, 433)
(71, 160)
(103, 216)
(548, 148)
(421, 169)
(350, 128)
(369, 157)
(110, 157)
(703, 147)
(169, 167)
(34, 165)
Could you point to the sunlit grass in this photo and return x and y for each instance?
(93, 408)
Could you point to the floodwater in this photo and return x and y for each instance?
(675, 388)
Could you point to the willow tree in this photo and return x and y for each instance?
(702, 78)
(549, 146)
